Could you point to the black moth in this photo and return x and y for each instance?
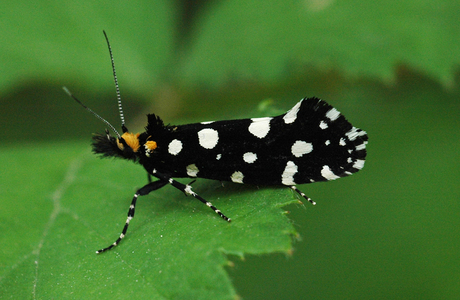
(311, 142)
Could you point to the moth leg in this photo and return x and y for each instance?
(146, 189)
(187, 189)
(149, 178)
(302, 194)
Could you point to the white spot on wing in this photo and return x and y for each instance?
(362, 133)
(208, 138)
(206, 123)
(291, 115)
(237, 177)
(219, 156)
(260, 127)
(359, 164)
(250, 157)
(175, 147)
(333, 114)
(300, 148)
(323, 125)
(287, 178)
(361, 147)
(327, 173)
(353, 133)
(192, 170)
(342, 142)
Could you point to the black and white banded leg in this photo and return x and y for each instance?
(145, 190)
(152, 186)
(187, 189)
(302, 194)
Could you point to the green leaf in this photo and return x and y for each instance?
(390, 231)
(176, 247)
(231, 40)
(63, 41)
(267, 40)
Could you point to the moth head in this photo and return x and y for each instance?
(125, 146)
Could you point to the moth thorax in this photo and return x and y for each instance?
(131, 139)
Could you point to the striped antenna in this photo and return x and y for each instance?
(91, 111)
(120, 108)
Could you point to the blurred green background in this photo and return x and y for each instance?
(389, 232)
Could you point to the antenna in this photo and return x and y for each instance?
(91, 111)
(120, 108)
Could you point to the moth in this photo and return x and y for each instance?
(311, 142)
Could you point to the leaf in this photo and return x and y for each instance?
(63, 41)
(265, 41)
(388, 231)
(176, 247)
(230, 41)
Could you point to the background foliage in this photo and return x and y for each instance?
(388, 232)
